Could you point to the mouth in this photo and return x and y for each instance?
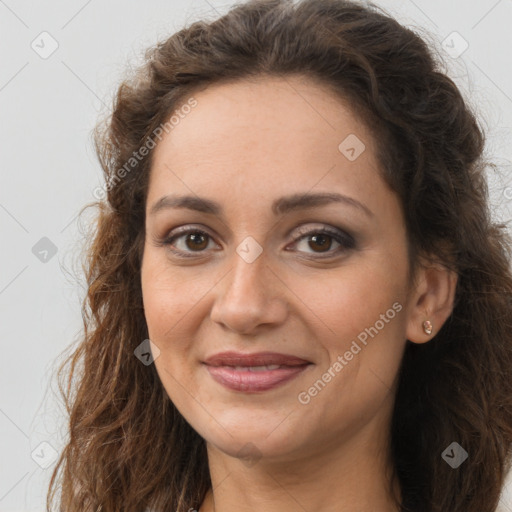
(252, 373)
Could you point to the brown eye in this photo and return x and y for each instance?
(189, 241)
(321, 242)
(324, 241)
(196, 240)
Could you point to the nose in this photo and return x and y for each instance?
(249, 296)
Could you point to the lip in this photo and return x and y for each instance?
(232, 370)
(255, 359)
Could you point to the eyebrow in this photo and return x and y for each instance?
(280, 206)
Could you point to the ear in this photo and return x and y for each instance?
(431, 299)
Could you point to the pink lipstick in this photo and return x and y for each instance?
(252, 373)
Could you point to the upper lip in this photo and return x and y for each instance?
(255, 359)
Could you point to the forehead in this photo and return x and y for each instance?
(265, 112)
(265, 134)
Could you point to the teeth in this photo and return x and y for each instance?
(257, 368)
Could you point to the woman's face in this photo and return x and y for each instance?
(270, 233)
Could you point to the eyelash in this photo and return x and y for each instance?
(345, 240)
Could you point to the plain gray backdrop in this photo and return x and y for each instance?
(60, 65)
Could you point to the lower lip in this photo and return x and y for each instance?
(252, 382)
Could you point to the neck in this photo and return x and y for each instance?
(349, 476)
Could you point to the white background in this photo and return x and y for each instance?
(48, 108)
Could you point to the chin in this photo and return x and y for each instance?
(242, 436)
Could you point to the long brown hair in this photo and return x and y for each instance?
(129, 448)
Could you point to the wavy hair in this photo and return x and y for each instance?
(129, 448)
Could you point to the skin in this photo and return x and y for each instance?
(244, 145)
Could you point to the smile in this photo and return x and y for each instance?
(255, 378)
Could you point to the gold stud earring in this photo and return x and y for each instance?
(427, 327)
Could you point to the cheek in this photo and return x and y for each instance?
(362, 315)
(169, 304)
(353, 298)
(169, 297)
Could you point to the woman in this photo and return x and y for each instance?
(297, 299)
